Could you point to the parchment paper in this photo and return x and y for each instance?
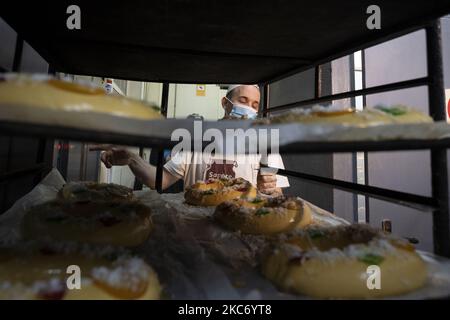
(195, 258)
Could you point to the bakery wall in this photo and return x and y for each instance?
(186, 100)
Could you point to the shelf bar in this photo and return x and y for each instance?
(74, 134)
(160, 163)
(439, 167)
(355, 146)
(402, 198)
(338, 96)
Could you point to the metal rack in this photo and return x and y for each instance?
(438, 203)
(61, 58)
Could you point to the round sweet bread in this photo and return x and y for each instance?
(45, 92)
(379, 115)
(336, 262)
(50, 274)
(215, 191)
(115, 223)
(263, 215)
(82, 192)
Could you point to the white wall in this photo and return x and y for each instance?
(184, 101)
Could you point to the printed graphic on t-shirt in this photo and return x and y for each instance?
(219, 168)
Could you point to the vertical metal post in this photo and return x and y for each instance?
(83, 161)
(40, 158)
(366, 154)
(264, 100)
(354, 167)
(160, 164)
(137, 183)
(46, 147)
(18, 54)
(439, 169)
(63, 157)
(317, 81)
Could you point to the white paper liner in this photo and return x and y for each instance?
(195, 258)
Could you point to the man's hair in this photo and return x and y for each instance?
(231, 89)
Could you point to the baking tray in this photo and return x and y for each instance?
(197, 259)
(293, 138)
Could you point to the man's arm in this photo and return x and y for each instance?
(145, 172)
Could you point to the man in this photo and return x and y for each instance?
(241, 101)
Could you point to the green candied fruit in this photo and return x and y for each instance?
(262, 212)
(315, 234)
(210, 191)
(257, 200)
(155, 108)
(394, 110)
(371, 259)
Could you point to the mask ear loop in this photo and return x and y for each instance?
(232, 104)
(229, 101)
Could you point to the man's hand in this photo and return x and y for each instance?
(267, 184)
(120, 156)
(113, 155)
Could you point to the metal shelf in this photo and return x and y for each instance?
(142, 40)
(402, 198)
(157, 134)
(300, 35)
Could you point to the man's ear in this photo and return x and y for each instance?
(226, 105)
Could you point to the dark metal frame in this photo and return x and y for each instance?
(160, 165)
(438, 203)
(40, 167)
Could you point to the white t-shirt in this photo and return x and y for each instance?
(194, 166)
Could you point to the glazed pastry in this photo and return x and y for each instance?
(333, 263)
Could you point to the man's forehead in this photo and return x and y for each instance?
(247, 91)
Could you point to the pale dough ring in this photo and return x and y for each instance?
(263, 215)
(333, 263)
(52, 94)
(43, 274)
(368, 117)
(123, 224)
(215, 191)
(101, 213)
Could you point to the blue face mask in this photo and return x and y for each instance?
(242, 111)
